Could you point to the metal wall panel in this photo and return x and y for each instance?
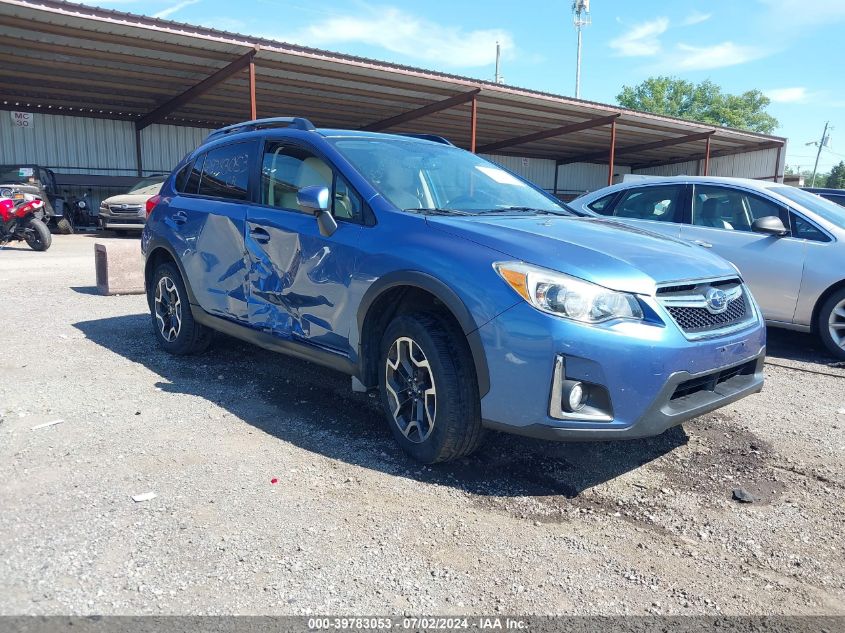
(759, 164)
(163, 146)
(540, 171)
(69, 144)
(580, 178)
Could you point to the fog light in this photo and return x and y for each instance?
(574, 395)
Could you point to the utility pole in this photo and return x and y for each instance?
(498, 76)
(580, 18)
(822, 143)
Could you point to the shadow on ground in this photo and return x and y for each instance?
(315, 409)
(87, 290)
(797, 346)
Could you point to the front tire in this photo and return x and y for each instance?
(429, 388)
(831, 324)
(38, 235)
(173, 323)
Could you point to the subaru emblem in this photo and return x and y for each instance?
(717, 300)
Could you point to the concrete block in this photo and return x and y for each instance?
(120, 267)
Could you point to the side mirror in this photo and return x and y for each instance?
(315, 200)
(769, 225)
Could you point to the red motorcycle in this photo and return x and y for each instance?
(20, 220)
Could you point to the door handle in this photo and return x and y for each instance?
(259, 235)
(180, 217)
(704, 244)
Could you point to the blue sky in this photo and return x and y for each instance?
(790, 50)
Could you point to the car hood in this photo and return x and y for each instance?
(602, 251)
(129, 198)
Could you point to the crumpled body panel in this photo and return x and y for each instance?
(298, 280)
(211, 245)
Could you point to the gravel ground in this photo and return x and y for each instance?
(350, 525)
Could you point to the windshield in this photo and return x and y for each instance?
(146, 182)
(426, 176)
(12, 174)
(825, 209)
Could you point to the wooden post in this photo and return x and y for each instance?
(253, 106)
(707, 158)
(612, 153)
(777, 162)
(473, 122)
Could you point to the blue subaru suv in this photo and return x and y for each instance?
(467, 297)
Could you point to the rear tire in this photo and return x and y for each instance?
(173, 323)
(429, 389)
(830, 324)
(38, 235)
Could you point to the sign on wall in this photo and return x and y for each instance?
(23, 119)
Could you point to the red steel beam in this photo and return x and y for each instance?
(192, 93)
(612, 153)
(642, 147)
(473, 123)
(544, 134)
(431, 108)
(253, 105)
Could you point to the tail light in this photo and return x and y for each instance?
(151, 203)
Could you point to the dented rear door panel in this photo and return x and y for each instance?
(210, 241)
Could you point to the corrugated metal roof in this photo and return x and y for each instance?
(61, 57)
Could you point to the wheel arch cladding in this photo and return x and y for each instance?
(407, 291)
(160, 254)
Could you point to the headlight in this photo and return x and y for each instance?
(81, 204)
(566, 296)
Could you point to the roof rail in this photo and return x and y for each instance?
(299, 123)
(428, 137)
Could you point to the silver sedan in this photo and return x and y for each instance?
(788, 244)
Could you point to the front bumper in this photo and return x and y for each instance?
(654, 376)
(126, 222)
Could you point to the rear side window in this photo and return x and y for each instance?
(602, 205)
(661, 204)
(225, 172)
(180, 183)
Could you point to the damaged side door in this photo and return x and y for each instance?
(299, 280)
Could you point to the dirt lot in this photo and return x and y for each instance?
(351, 525)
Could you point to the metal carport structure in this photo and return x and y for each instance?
(69, 59)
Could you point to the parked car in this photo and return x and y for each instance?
(834, 195)
(18, 181)
(787, 243)
(468, 297)
(127, 211)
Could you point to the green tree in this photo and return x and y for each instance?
(704, 102)
(821, 178)
(836, 178)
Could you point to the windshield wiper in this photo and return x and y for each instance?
(527, 210)
(439, 211)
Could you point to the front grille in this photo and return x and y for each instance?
(697, 310)
(129, 209)
(709, 382)
(700, 319)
